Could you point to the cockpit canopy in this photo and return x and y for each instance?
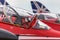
(14, 16)
(14, 12)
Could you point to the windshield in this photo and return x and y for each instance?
(47, 16)
(41, 25)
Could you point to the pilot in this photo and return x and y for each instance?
(23, 21)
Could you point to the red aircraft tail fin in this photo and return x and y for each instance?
(2, 2)
(38, 7)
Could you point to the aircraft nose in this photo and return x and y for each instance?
(6, 35)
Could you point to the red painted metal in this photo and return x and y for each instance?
(18, 30)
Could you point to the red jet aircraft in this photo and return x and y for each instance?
(51, 19)
(14, 23)
(33, 27)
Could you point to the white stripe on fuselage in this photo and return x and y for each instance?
(36, 37)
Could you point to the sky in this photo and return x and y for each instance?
(52, 5)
